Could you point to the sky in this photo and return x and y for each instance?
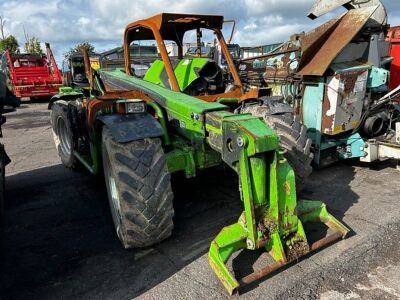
(64, 23)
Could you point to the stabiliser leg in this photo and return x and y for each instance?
(272, 218)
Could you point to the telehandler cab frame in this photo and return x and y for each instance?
(140, 131)
(202, 78)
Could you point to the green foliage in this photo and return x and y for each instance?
(86, 45)
(9, 42)
(32, 45)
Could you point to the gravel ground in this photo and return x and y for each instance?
(60, 243)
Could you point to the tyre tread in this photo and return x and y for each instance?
(146, 194)
(293, 137)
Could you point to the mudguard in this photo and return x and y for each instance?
(131, 127)
(275, 105)
(66, 94)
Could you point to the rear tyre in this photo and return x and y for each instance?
(62, 134)
(139, 190)
(292, 137)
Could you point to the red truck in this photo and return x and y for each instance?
(393, 38)
(31, 75)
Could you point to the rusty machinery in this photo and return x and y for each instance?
(336, 78)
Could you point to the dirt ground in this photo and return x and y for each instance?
(60, 243)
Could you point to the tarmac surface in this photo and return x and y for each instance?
(59, 241)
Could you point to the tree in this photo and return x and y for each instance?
(85, 45)
(32, 44)
(7, 42)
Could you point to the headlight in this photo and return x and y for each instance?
(130, 106)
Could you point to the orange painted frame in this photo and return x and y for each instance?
(155, 24)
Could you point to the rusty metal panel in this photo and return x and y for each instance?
(277, 65)
(173, 26)
(313, 40)
(347, 28)
(343, 101)
(310, 38)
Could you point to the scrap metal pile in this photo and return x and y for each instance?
(336, 78)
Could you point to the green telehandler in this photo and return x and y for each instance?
(179, 118)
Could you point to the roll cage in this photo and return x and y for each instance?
(173, 27)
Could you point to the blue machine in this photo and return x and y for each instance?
(333, 77)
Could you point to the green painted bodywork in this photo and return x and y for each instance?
(312, 114)
(202, 135)
(378, 79)
(155, 72)
(348, 146)
(199, 135)
(186, 71)
(355, 144)
(272, 218)
(68, 91)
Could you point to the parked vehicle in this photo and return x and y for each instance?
(30, 75)
(74, 69)
(140, 55)
(393, 38)
(182, 117)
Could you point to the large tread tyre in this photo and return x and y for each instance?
(139, 190)
(293, 138)
(62, 134)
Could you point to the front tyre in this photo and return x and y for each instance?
(62, 134)
(292, 137)
(139, 190)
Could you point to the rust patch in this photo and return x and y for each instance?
(236, 93)
(309, 40)
(287, 188)
(346, 29)
(327, 121)
(105, 101)
(350, 80)
(326, 241)
(255, 71)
